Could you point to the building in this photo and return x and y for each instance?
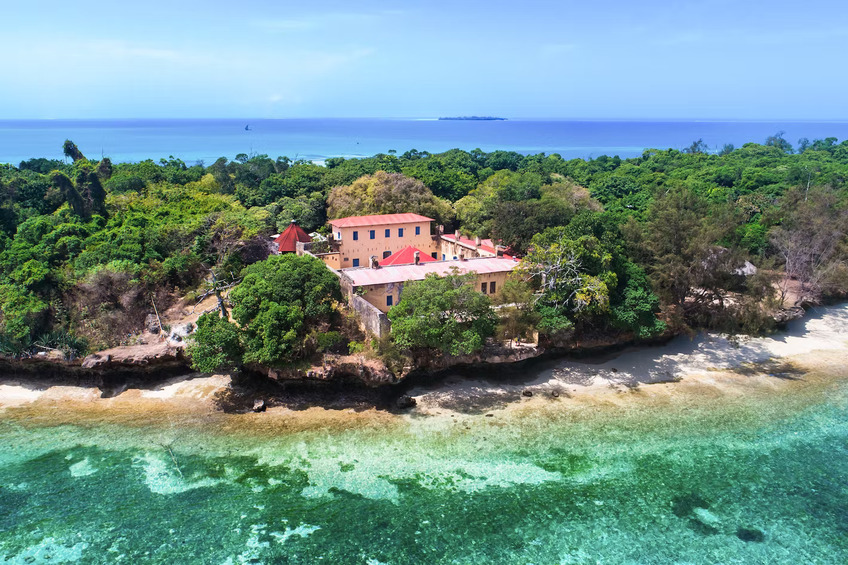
(287, 241)
(407, 256)
(356, 239)
(382, 286)
(456, 246)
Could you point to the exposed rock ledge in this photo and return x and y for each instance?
(340, 368)
(492, 354)
(374, 373)
(153, 354)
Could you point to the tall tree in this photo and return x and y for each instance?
(442, 313)
(387, 193)
(678, 248)
(70, 149)
(278, 301)
(811, 240)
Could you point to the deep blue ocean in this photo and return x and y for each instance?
(317, 139)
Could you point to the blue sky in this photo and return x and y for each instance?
(278, 59)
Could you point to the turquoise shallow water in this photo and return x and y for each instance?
(759, 479)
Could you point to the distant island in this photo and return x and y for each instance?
(477, 118)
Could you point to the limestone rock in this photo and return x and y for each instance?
(786, 315)
(134, 356)
(405, 402)
(151, 324)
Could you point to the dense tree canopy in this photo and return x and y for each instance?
(442, 313)
(84, 244)
(387, 193)
(278, 302)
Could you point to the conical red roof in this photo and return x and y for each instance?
(406, 256)
(290, 237)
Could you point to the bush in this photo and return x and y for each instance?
(331, 342)
(215, 345)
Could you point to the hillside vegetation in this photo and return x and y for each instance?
(613, 245)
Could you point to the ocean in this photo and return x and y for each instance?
(317, 139)
(692, 472)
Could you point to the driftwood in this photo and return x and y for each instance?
(216, 289)
(156, 311)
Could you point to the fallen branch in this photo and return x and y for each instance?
(174, 459)
(155, 311)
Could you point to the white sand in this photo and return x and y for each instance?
(698, 359)
(180, 388)
(15, 395)
(201, 388)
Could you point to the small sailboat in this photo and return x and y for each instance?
(247, 128)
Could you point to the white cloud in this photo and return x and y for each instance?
(323, 20)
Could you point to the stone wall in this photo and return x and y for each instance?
(370, 318)
(331, 259)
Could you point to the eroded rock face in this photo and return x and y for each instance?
(153, 354)
(491, 354)
(786, 315)
(342, 368)
(180, 332)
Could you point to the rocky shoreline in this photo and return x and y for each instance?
(338, 381)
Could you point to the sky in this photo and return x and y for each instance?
(615, 59)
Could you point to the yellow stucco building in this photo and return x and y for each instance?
(383, 286)
(358, 238)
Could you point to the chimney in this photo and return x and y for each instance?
(374, 263)
(416, 257)
(441, 230)
(456, 235)
(477, 241)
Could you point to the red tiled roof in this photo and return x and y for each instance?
(485, 244)
(378, 220)
(406, 256)
(290, 236)
(365, 276)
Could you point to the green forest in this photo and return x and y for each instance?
(642, 246)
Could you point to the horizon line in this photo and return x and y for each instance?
(436, 118)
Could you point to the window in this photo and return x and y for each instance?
(389, 300)
(388, 232)
(434, 255)
(356, 262)
(492, 287)
(339, 235)
(355, 235)
(386, 254)
(372, 234)
(400, 232)
(417, 230)
(444, 257)
(483, 288)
